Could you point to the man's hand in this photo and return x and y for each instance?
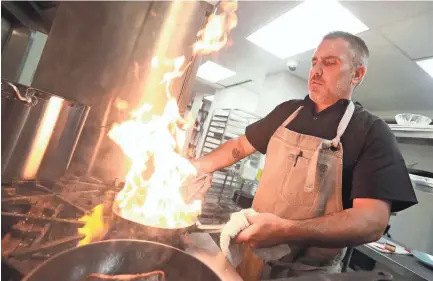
(265, 230)
(196, 188)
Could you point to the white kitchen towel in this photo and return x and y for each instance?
(236, 224)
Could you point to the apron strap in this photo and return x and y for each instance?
(343, 123)
(292, 116)
(312, 169)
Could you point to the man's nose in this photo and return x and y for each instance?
(317, 69)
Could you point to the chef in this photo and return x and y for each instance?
(333, 170)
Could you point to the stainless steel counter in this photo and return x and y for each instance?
(203, 247)
(404, 265)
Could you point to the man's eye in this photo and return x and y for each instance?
(328, 63)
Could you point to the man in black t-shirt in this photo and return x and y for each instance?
(375, 180)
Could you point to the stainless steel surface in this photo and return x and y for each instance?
(413, 227)
(14, 53)
(404, 265)
(202, 247)
(38, 138)
(100, 51)
(6, 28)
(348, 276)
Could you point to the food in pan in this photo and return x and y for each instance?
(157, 275)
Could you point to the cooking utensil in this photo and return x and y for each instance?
(165, 235)
(122, 257)
(423, 257)
(39, 133)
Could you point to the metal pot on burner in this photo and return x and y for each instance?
(39, 133)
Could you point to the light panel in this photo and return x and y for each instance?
(213, 72)
(302, 28)
(426, 65)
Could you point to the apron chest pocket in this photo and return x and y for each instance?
(292, 188)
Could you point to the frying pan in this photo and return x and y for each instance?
(166, 235)
(138, 230)
(114, 257)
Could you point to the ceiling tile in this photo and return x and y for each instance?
(413, 36)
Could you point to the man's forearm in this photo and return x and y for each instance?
(350, 227)
(223, 156)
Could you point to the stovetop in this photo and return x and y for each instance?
(41, 219)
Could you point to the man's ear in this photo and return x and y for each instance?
(359, 75)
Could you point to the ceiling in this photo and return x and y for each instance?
(400, 32)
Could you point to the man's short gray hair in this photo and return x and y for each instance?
(356, 44)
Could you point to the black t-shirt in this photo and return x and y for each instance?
(373, 166)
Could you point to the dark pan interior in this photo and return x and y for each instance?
(122, 257)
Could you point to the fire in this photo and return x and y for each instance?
(155, 199)
(215, 35)
(154, 144)
(94, 228)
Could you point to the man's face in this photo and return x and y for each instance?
(331, 72)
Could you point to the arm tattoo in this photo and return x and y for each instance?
(236, 153)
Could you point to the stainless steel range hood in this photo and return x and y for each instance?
(91, 54)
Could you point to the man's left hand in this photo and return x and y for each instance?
(265, 230)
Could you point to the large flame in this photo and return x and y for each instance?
(152, 191)
(156, 145)
(215, 35)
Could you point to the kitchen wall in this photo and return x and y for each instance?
(237, 97)
(278, 88)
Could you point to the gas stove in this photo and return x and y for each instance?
(41, 219)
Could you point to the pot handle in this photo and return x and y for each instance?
(28, 98)
(207, 228)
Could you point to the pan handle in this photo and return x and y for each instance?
(207, 228)
(27, 98)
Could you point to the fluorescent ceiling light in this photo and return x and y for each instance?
(302, 28)
(209, 98)
(426, 65)
(213, 72)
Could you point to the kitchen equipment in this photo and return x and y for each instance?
(39, 133)
(347, 276)
(412, 119)
(243, 199)
(169, 236)
(423, 257)
(122, 257)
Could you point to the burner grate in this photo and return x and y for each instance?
(40, 220)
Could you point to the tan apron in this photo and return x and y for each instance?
(301, 180)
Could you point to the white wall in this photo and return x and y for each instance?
(237, 97)
(278, 88)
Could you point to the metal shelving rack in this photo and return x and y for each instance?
(225, 124)
(198, 130)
